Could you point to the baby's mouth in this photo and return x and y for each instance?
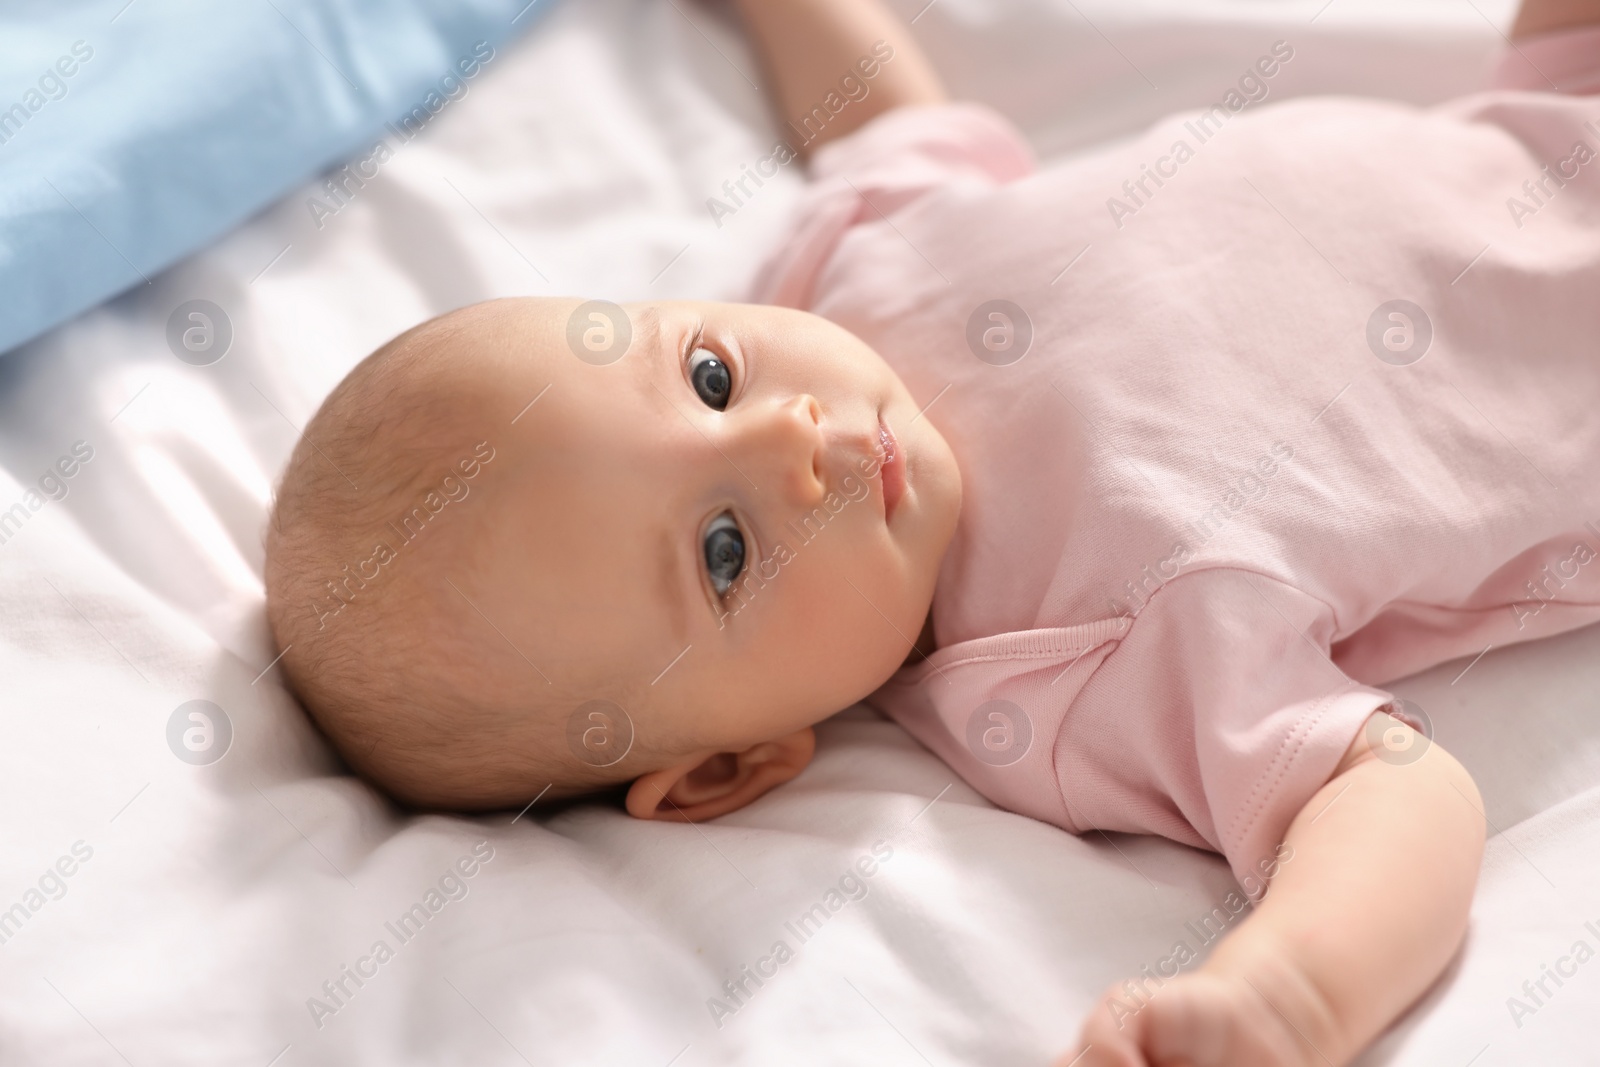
(892, 470)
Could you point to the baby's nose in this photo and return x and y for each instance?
(784, 443)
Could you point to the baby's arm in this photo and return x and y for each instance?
(1547, 16)
(810, 46)
(1356, 925)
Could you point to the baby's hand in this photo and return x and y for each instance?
(1194, 1020)
(1351, 932)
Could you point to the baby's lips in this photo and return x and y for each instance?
(891, 469)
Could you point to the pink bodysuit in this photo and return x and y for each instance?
(1254, 413)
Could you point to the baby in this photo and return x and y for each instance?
(1120, 484)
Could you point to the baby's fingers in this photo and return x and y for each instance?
(1093, 1055)
(1110, 1038)
(1198, 1020)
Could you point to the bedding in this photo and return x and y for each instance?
(133, 132)
(189, 876)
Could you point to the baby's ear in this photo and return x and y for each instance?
(708, 786)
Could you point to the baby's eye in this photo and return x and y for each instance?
(724, 549)
(711, 379)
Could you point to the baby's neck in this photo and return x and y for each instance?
(924, 646)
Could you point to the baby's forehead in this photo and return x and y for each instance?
(550, 335)
(561, 365)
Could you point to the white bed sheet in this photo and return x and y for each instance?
(218, 899)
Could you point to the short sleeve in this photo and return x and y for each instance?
(1567, 61)
(1215, 721)
(888, 164)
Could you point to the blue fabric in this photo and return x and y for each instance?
(132, 134)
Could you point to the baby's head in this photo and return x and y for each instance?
(539, 543)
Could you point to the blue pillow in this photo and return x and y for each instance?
(133, 132)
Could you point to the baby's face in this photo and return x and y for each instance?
(711, 523)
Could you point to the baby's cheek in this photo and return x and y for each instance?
(848, 608)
